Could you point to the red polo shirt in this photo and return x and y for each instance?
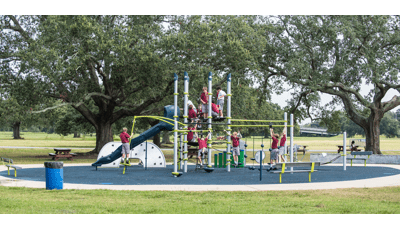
(192, 114)
(214, 108)
(202, 143)
(204, 97)
(283, 140)
(190, 134)
(274, 143)
(124, 137)
(235, 141)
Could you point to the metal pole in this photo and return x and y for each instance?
(185, 116)
(228, 114)
(285, 150)
(291, 140)
(145, 163)
(209, 117)
(261, 165)
(344, 150)
(180, 151)
(175, 124)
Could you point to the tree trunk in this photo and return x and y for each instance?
(165, 138)
(103, 135)
(372, 133)
(16, 130)
(156, 140)
(77, 135)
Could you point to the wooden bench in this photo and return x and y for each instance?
(365, 153)
(295, 164)
(10, 165)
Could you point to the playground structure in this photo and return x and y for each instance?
(228, 123)
(170, 122)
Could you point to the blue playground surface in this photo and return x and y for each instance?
(137, 175)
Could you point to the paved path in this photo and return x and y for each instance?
(389, 176)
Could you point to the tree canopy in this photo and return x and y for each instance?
(336, 55)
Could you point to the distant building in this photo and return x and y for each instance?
(315, 132)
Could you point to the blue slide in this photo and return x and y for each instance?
(168, 113)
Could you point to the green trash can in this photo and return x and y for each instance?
(241, 159)
(224, 159)
(220, 160)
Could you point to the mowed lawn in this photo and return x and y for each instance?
(338, 201)
(54, 140)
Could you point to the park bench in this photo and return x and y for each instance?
(10, 165)
(62, 153)
(282, 166)
(365, 153)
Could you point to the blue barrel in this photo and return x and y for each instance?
(54, 175)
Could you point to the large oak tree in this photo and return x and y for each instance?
(337, 55)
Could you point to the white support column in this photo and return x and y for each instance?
(344, 150)
(291, 139)
(228, 117)
(181, 151)
(209, 118)
(285, 129)
(185, 116)
(175, 124)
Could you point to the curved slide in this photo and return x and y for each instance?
(168, 113)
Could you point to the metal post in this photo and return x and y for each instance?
(209, 117)
(344, 150)
(175, 124)
(145, 163)
(291, 140)
(261, 160)
(180, 151)
(185, 116)
(228, 114)
(285, 151)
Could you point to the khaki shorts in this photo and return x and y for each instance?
(125, 148)
(236, 151)
(274, 154)
(204, 108)
(221, 105)
(200, 152)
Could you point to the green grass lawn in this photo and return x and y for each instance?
(54, 140)
(338, 201)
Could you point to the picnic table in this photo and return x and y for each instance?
(352, 149)
(62, 153)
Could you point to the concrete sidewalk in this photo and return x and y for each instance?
(393, 180)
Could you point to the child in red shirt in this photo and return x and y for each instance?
(190, 137)
(192, 113)
(282, 145)
(202, 146)
(274, 146)
(204, 101)
(215, 110)
(125, 145)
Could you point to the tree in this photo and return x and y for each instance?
(125, 64)
(389, 126)
(335, 55)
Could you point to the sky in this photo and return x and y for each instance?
(325, 98)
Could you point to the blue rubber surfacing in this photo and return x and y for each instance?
(137, 175)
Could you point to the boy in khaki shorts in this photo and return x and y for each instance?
(125, 145)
